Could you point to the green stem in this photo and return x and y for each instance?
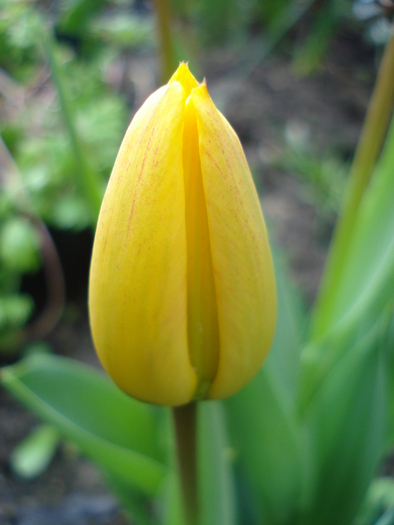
(86, 177)
(185, 418)
(168, 61)
(368, 149)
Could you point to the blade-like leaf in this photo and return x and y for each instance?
(367, 278)
(390, 370)
(266, 442)
(380, 498)
(283, 359)
(261, 420)
(345, 423)
(32, 456)
(171, 495)
(116, 431)
(137, 504)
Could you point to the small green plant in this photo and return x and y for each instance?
(56, 162)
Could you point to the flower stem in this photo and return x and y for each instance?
(185, 419)
(368, 149)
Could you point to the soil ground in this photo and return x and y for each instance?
(330, 105)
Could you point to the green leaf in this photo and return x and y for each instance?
(111, 428)
(261, 417)
(264, 435)
(77, 15)
(367, 283)
(125, 30)
(171, 496)
(283, 359)
(345, 423)
(325, 24)
(32, 456)
(15, 310)
(137, 504)
(172, 501)
(370, 265)
(216, 484)
(367, 278)
(380, 496)
(390, 370)
(19, 246)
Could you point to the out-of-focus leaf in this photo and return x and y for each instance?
(78, 14)
(171, 494)
(86, 177)
(264, 435)
(216, 19)
(19, 246)
(345, 424)
(14, 311)
(70, 212)
(367, 279)
(216, 487)
(367, 284)
(284, 356)
(172, 501)
(380, 496)
(370, 265)
(318, 39)
(389, 344)
(379, 500)
(268, 11)
(137, 504)
(113, 429)
(125, 30)
(32, 456)
(261, 417)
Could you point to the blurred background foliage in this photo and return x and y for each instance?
(66, 101)
(67, 93)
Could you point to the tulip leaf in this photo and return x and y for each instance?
(367, 283)
(171, 494)
(345, 422)
(32, 456)
(265, 438)
(284, 355)
(261, 419)
(216, 485)
(379, 501)
(114, 430)
(367, 278)
(172, 501)
(390, 369)
(137, 504)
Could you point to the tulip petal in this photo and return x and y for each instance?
(137, 295)
(241, 257)
(203, 330)
(184, 77)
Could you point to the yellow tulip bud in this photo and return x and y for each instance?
(182, 294)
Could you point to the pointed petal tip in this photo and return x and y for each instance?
(184, 77)
(202, 89)
(201, 96)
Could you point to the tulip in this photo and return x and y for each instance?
(182, 295)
